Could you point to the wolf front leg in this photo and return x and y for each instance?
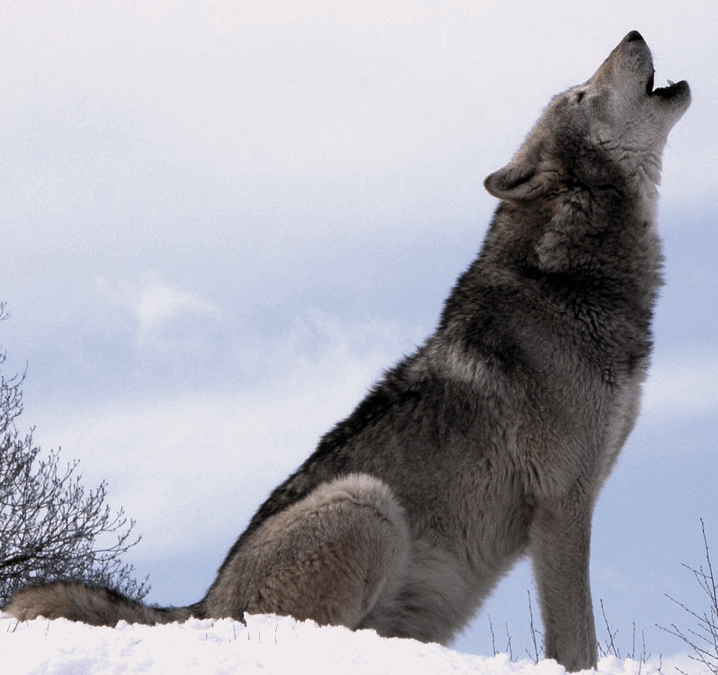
(560, 547)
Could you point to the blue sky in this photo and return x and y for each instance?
(221, 221)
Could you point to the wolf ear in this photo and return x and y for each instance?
(520, 180)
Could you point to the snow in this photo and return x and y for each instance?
(266, 644)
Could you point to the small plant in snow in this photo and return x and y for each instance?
(702, 640)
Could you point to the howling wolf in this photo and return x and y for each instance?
(494, 438)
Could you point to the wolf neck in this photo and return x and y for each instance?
(571, 240)
(644, 183)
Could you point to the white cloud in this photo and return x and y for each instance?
(211, 457)
(155, 304)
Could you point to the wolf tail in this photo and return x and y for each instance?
(94, 605)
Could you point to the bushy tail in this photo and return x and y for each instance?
(95, 605)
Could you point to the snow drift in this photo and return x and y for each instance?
(266, 644)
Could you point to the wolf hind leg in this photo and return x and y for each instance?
(327, 558)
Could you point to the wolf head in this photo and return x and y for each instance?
(607, 132)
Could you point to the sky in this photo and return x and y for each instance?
(221, 221)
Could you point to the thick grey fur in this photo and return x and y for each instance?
(494, 438)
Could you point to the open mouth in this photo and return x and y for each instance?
(673, 89)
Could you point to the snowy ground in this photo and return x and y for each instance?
(267, 644)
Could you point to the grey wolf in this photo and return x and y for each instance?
(493, 439)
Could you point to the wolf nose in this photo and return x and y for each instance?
(634, 35)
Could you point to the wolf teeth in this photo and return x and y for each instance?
(671, 83)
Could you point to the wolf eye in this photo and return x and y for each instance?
(580, 96)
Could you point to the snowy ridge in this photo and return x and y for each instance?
(267, 644)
